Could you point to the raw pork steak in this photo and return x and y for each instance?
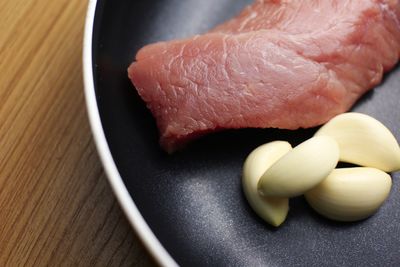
(283, 64)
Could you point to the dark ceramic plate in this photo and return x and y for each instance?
(189, 207)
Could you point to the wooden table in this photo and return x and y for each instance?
(56, 207)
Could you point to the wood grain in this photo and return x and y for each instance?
(56, 207)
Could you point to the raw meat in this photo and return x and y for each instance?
(284, 64)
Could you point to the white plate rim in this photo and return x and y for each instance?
(127, 204)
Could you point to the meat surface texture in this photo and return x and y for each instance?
(279, 64)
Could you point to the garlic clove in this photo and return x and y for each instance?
(350, 194)
(301, 169)
(273, 210)
(364, 141)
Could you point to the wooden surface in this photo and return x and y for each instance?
(56, 207)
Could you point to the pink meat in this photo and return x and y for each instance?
(284, 64)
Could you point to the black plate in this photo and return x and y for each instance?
(192, 200)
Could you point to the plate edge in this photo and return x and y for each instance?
(127, 204)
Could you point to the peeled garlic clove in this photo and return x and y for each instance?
(364, 141)
(273, 210)
(301, 169)
(350, 194)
